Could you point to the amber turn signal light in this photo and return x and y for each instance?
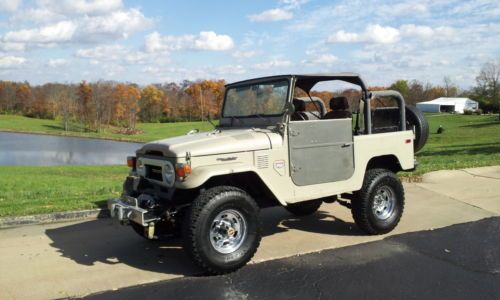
(131, 161)
(182, 170)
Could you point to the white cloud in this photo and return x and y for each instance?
(37, 15)
(11, 61)
(59, 32)
(272, 64)
(373, 34)
(417, 31)
(88, 7)
(57, 62)
(10, 5)
(292, 4)
(112, 53)
(115, 25)
(321, 59)
(118, 24)
(403, 8)
(228, 70)
(243, 54)
(205, 40)
(271, 15)
(209, 40)
(344, 37)
(9, 47)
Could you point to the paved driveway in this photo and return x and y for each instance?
(80, 258)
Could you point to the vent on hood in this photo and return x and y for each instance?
(262, 162)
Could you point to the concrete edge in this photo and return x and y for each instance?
(90, 214)
(56, 217)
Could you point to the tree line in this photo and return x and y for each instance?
(94, 106)
(102, 104)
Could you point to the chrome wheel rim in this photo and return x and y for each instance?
(228, 231)
(384, 203)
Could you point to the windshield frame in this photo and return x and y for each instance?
(256, 82)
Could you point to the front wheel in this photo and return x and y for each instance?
(222, 229)
(378, 206)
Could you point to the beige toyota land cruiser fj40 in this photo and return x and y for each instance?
(271, 148)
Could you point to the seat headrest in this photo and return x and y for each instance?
(299, 105)
(339, 103)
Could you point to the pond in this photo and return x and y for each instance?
(45, 150)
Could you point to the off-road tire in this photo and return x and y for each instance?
(415, 119)
(363, 202)
(199, 221)
(304, 208)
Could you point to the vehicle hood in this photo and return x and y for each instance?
(209, 143)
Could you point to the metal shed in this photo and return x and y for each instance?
(445, 104)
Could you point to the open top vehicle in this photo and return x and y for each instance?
(271, 148)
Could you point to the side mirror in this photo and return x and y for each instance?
(289, 109)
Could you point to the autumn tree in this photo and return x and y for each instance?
(85, 105)
(125, 104)
(23, 97)
(7, 96)
(152, 103)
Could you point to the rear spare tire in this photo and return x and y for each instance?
(415, 119)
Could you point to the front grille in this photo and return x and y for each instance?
(153, 172)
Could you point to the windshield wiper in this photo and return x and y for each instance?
(234, 118)
(261, 117)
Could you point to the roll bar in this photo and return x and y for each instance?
(389, 93)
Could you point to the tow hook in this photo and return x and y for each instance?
(151, 230)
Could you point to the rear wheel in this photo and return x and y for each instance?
(304, 208)
(378, 206)
(222, 229)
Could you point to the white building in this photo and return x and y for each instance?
(445, 104)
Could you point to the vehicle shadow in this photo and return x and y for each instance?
(105, 241)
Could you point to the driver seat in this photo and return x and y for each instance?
(300, 108)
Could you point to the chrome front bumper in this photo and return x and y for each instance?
(127, 209)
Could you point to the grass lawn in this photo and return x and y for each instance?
(151, 131)
(468, 141)
(36, 190)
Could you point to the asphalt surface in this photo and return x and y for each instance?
(456, 262)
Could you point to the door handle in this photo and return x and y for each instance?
(346, 145)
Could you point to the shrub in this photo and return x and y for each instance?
(468, 112)
(479, 111)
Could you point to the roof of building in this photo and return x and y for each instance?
(447, 101)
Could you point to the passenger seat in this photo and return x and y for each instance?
(339, 108)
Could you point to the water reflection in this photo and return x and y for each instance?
(44, 150)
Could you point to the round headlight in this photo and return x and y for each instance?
(169, 173)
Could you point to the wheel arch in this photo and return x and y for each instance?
(389, 162)
(248, 181)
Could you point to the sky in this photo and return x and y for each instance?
(163, 41)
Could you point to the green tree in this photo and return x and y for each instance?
(400, 86)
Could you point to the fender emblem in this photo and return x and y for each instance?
(226, 158)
